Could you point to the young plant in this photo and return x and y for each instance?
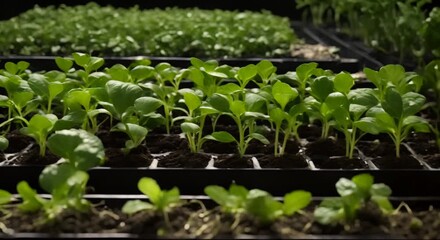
(66, 182)
(317, 106)
(302, 76)
(282, 94)
(39, 127)
(160, 200)
(354, 195)
(195, 120)
(5, 198)
(87, 62)
(349, 106)
(394, 75)
(81, 109)
(4, 143)
(257, 203)
(431, 75)
(45, 89)
(166, 97)
(396, 116)
(244, 113)
(136, 134)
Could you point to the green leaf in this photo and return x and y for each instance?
(245, 74)
(169, 197)
(188, 127)
(265, 69)
(147, 105)
(151, 189)
(321, 87)
(119, 72)
(5, 197)
(259, 137)
(363, 183)
(374, 77)
(39, 84)
(368, 125)
(238, 108)
(142, 72)
(392, 73)
(327, 216)
(238, 191)
(122, 95)
(218, 194)
(263, 206)
(78, 146)
(343, 82)
(219, 102)
(380, 189)
(221, 136)
(383, 202)
(31, 201)
(393, 103)
(192, 101)
(54, 176)
(64, 64)
(134, 206)
(4, 143)
(297, 109)
(337, 100)
(283, 93)
(11, 68)
(81, 59)
(295, 201)
(77, 98)
(346, 187)
(255, 103)
(305, 70)
(363, 96)
(277, 115)
(229, 88)
(412, 103)
(94, 64)
(54, 89)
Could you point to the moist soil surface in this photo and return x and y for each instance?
(138, 157)
(338, 162)
(192, 221)
(184, 159)
(161, 143)
(284, 161)
(233, 161)
(391, 162)
(17, 141)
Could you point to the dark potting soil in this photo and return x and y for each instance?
(97, 221)
(138, 157)
(325, 147)
(32, 156)
(112, 139)
(338, 162)
(310, 132)
(191, 221)
(184, 159)
(433, 160)
(424, 147)
(2, 157)
(379, 148)
(161, 143)
(218, 147)
(392, 162)
(285, 161)
(233, 161)
(17, 141)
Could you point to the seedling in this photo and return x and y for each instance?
(39, 127)
(66, 182)
(283, 94)
(257, 203)
(160, 200)
(354, 194)
(136, 133)
(396, 116)
(244, 113)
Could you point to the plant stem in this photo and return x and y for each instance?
(200, 134)
(277, 134)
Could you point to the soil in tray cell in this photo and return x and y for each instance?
(338, 162)
(184, 159)
(17, 141)
(32, 156)
(233, 161)
(405, 161)
(161, 143)
(285, 161)
(112, 139)
(138, 157)
(433, 160)
(325, 147)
